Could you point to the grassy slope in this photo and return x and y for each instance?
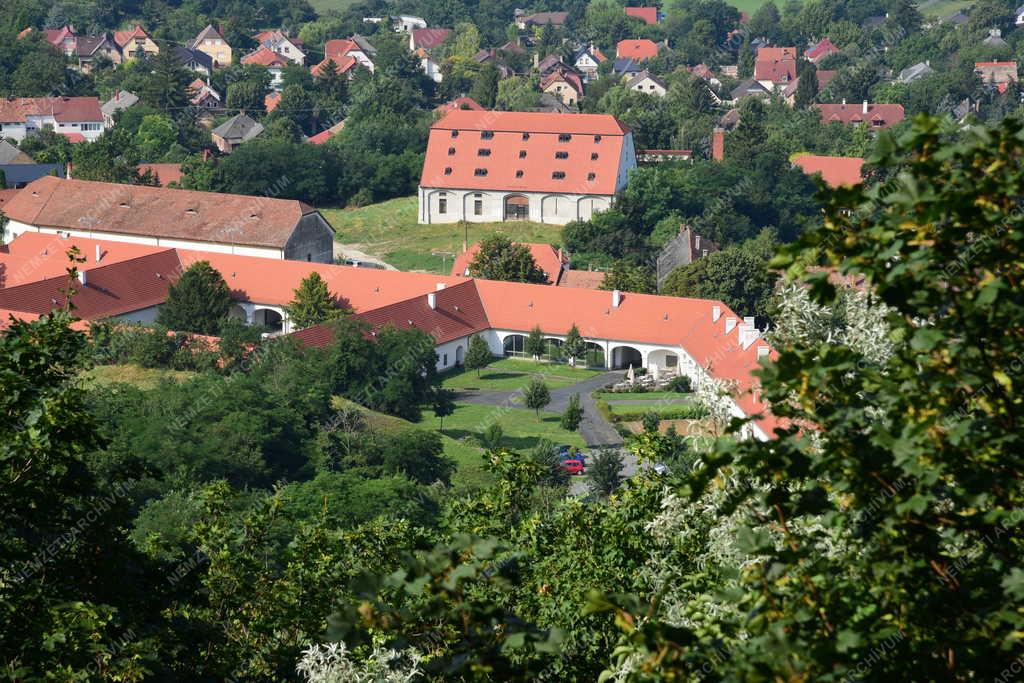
(510, 374)
(143, 378)
(390, 232)
(929, 8)
(521, 428)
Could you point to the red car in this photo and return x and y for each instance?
(573, 466)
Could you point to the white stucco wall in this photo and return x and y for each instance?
(554, 208)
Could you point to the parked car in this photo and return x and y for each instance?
(573, 466)
(564, 451)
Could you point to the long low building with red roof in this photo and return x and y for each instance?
(702, 339)
(486, 166)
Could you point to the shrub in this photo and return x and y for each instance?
(680, 384)
(681, 413)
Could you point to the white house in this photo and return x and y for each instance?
(486, 166)
(287, 47)
(405, 23)
(646, 83)
(587, 61)
(24, 116)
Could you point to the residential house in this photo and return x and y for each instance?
(119, 102)
(648, 15)
(163, 174)
(586, 61)
(279, 42)
(820, 50)
(185, 219)
(823, 76)
(458, 103)
(90, 48)
(637, 50)
(703, 72)
(431, 69)
(9, 154)
(564, 84)
(550, 64)
(342, 65)
(646, 83)
(1000, 74)
(835, 171)
(427, 38)
(407, 24)
(916, 72)
(994, 39)
(775, 67)
(325, 135)
(495, 57)
(877, 116)
(356, 47)
(136, 43)
(17, 176)
(549, 104)
(211, 42)
(626, 67)
(1019, 21)
(235, 131)
(273, 62)
(682, 250)
(540, 19)
(202, 95)
(63, 39)
(750, 88)
(194, 60)
(271, 100)
(25, 116)
(485, 166)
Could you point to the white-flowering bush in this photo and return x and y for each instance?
(331, 664)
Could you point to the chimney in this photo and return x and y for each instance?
(432, 300)
(97, 253)
(716, 313)
(865, 107)
(616, 298)
(763, 351)
(718, 144)
(844, 102)
(730, 323)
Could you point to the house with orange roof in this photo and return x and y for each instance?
(62, 38)
(24, 116)
(356, 47)
(344, 64)
(564, 84)
(273, 62)
(637, 50)
(201, 94)
(820, 50)
(210, 221)
(280, 42)
(835, 171)
(136, 43)
(775, 67)
(876, 116)
(164, 174)
(325, 135)
(1000, 74)
(271, 100)
(484, 166)
(458, 103)
(648, 15)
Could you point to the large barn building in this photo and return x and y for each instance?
(183, 219)
(486, 166)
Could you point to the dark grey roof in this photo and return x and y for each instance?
(915, 72)
(626, 66)
(238, 128)
(747, 88)
(188, 56)
(9, 154)
(86, 46)
(19, 175)
(208, 32)
(118, 102)
(364, 45)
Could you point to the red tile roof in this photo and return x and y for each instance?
(775, 64)
(6, 196)
(996, 72)
(458, 103)
(122, 38)
(339, 47)
(876, 115)
(63, 109)
(564, 75)
(649, 15)
(33, 256)
(590, 135)
(271, 101)
(341, 65)
(429, 38)
(821, 50)
(636, 49)
(264, 56)
(109, 290)
(54, 36)
(835, 171)
(165, 173)
(548, 259)
(325, 135)
(155, 211)
(582, 279)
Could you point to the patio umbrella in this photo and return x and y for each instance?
(655, 373)
(630, 375)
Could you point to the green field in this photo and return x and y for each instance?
(389, 231)
(323, 6)
(942, 8)
(143, 378)
(512, 374)
(521, 428)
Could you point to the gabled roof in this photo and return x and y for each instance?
(271, 100)
(122, 38)
(547, 258)
(342, 65)
(541, 18)
(33, 256)
(208, 33)
(188, 56)
(160, 212)
(458, 103)
(592, 52)
(823, 76)
(325, 135)
(429, 38)
(164, 173)
(9, 154)
(643, 76)
(21, 174)
(339, 47)
(877, 115)
(364, 45)
(649, 15)
(63, 109)
(55, 36)
(570, 78)
(199, 90)
(636, 49)
(87, 46)
(916, 72)
(264, 56)
(821, 50)
(625, 66)
(239, 127)
(457, 312)
(748, 88)
(122, 100)
(775, 64)
(835, 171)
(593, 152)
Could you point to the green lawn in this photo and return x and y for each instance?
(638, 411)
(649, 396)
(323, 6)
(512, 374)
(521, 428)
(942, 8)
(143, 378)
(389, 231)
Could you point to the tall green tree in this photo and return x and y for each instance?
(501, 259)
(536, 396)
(574, 346)
(165, 85)
(197, 302)
(573, 415)
(807, 88)
(534, 345)
(313, 303)
(604, 474)
(478, 355)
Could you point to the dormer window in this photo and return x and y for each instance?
(519, 173)
(451, 151)
(561, 155)
(483, 152)
(526, 136)
(597, 138)
(558, 175)
(564, 137)
(448, 170)
(487, 135)
(522, 154)
(591, 176)
(455, 133)
(480, 172)
(593, 156)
